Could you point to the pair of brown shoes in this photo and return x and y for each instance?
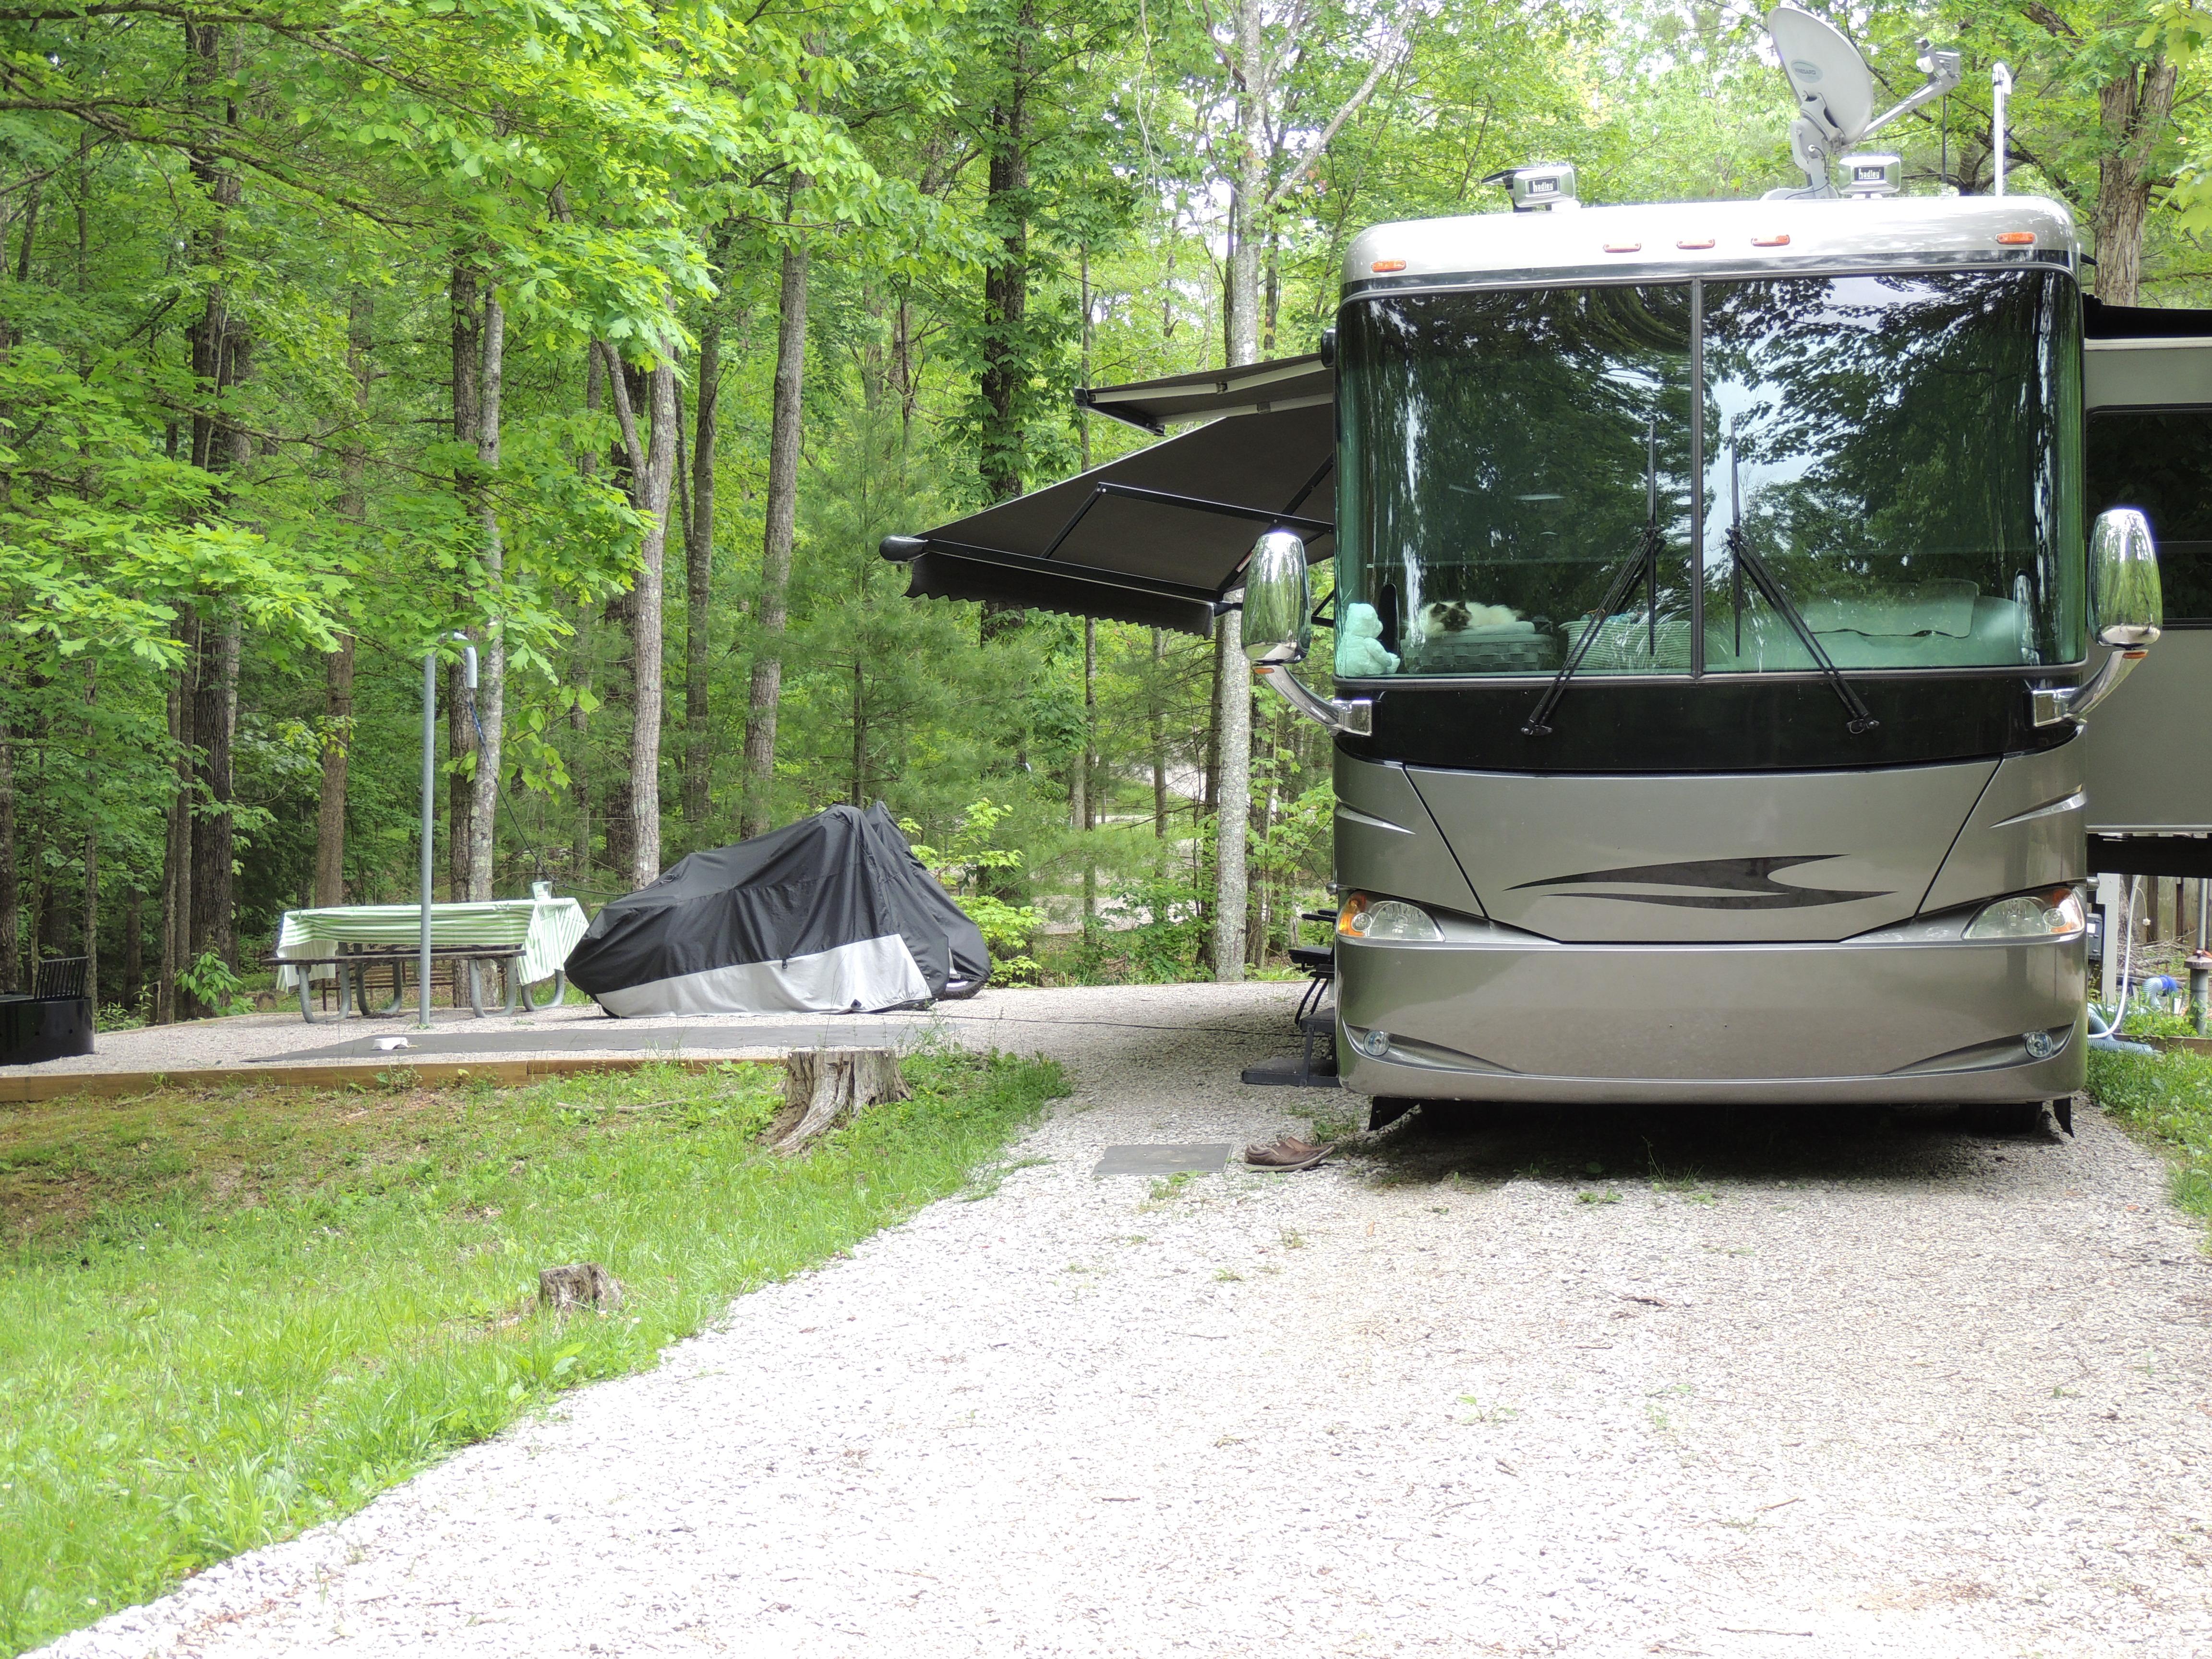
(1284, 1155)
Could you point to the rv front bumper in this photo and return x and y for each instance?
(1492, 1013)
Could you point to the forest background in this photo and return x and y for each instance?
(614, 335)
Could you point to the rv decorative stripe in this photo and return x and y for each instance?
(1731, 884)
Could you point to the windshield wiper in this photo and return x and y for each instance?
(1744, 559)
(1645, 564)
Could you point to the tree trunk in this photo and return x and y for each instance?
(824, 1087)
(615, 706)
(858, 795)
(91, 843)
(337, 686)
(464, 296)
(1156, 733)
(11, 893)
(170, 1001)
(1005, 370)
(460, 781)
(2136, 109)
(1232, 677)
(331, 804)
(647, 619)
(492, 676)
(134, 947)
(1004, 382)
(1233, 807)
(215, 725)
(699, 591)
(1093, 809)
(579, 764)
(208, 335)
(764, 696)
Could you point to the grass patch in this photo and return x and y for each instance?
(2167, 1100)
(226, 1316)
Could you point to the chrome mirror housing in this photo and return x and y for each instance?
(1279, 630)
(2130, 608)
(2127, 604)
(1278, 600)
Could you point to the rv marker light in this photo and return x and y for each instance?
(1693, 243)
(2016, 239)
(1770, 241)
(1390, 264)
(1624, 247)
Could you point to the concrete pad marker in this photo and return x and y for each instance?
(1190, 1159)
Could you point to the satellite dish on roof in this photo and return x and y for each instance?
(1834, 89)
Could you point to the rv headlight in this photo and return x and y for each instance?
(2053, 912)
(1363, 917)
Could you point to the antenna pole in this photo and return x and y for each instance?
(2000, 92)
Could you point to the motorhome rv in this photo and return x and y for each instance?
(1723, 591)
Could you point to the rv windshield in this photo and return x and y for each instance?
(1902, 451)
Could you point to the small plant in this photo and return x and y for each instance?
(1225, 1276)
(1608, 1196)
(970, 868)
(211, 982)
(1329, 1127)
(1491, 1415)
(1167, 1186)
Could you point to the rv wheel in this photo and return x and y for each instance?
(2010, 1117)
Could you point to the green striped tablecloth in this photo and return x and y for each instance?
(547, 930)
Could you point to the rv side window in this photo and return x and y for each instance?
(2161, 460)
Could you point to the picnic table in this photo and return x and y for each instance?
(528, 939)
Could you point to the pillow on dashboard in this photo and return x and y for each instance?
(1944, 607)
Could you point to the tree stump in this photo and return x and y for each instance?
(824, 1087)
(585, 1284)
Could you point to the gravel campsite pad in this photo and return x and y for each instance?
(1598, 1383)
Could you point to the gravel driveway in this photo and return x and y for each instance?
(1857, 1386)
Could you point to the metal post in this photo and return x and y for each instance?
(2200, 964)
(429, 825)
(2000, 91)
(2111, 900)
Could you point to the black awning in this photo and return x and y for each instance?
(1254, 389)
(1157, 538)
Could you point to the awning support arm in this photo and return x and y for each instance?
(1309, 528)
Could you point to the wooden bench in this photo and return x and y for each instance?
(353, 962)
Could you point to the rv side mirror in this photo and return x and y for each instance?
(1278, 596)
(2126, 606)
(2129, 608)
